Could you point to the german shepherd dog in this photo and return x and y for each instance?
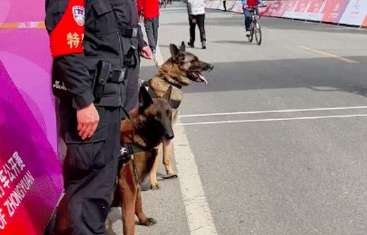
(143, 131)
(180, 70)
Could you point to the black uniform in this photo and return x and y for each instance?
(106, 73)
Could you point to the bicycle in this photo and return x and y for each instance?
(255, 27)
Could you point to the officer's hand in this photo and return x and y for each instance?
(146, 52)
(88, 119)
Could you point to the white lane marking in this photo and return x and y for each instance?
(271, 111)
(271, 119)
(331, 55)
(198, 213)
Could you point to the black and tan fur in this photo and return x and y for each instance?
(146, 128)
(179, 71)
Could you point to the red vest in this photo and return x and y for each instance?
(252, 3)
(67, 37)
(149, 8)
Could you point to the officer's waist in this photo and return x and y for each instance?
(129, 32)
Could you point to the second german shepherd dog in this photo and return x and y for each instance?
(179, 71)
(143, 131)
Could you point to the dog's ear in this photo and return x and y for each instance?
(183, 47)
(174, 50)
(168, 93)
(144, 98)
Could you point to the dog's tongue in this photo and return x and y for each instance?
(202, 78)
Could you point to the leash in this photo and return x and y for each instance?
(126, 113)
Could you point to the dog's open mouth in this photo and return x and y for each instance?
(197, 77)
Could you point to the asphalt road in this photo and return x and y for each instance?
(277, 136)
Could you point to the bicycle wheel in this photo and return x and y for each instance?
(252, 29)
(258, 34)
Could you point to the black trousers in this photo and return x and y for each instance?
(200, 21)
(90, 170)
(151, 28)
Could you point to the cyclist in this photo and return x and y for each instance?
(248, 6)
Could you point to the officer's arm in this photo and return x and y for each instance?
(65, 23)
(73, 72)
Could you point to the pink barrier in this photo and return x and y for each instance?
(333, 10)
(355, 13)
(30, 171)
(351, 12)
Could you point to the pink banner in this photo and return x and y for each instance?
(21, 10)
(30, 171)
(352, 12)
(30, 174)
(301, 5)
(333, 10)
(315, 6)
(355, 13)
(276, 9)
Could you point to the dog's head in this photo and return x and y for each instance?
(184, 67)
(155, 115)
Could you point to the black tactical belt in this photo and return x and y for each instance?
(117, 76)
(129, 32)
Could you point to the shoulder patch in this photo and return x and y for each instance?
(67, 37)
(79, 15)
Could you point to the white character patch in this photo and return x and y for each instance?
(79, 15)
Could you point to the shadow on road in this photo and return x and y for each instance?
(240, 42)
(318, 74)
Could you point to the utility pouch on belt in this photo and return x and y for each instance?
(131, 59)
(109, 88)
(103, 72)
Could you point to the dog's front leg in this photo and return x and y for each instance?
(167, 159)
(142, 218)
(153, 172)
(128, 191)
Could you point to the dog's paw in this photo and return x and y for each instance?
(170, 176)
(148, 222)
(154, 186)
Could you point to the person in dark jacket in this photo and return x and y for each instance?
(95, 46)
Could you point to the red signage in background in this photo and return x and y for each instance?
(290, 5)
(314, 10)
(279, 9)
(301, 5)
(315, 6)
(271, 8)
(365, 21)
(333, 10)
(301, 11)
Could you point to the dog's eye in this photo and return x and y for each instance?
(158, 116)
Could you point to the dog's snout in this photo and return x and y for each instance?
(169, 136)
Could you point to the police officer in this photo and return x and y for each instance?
(95, 45)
